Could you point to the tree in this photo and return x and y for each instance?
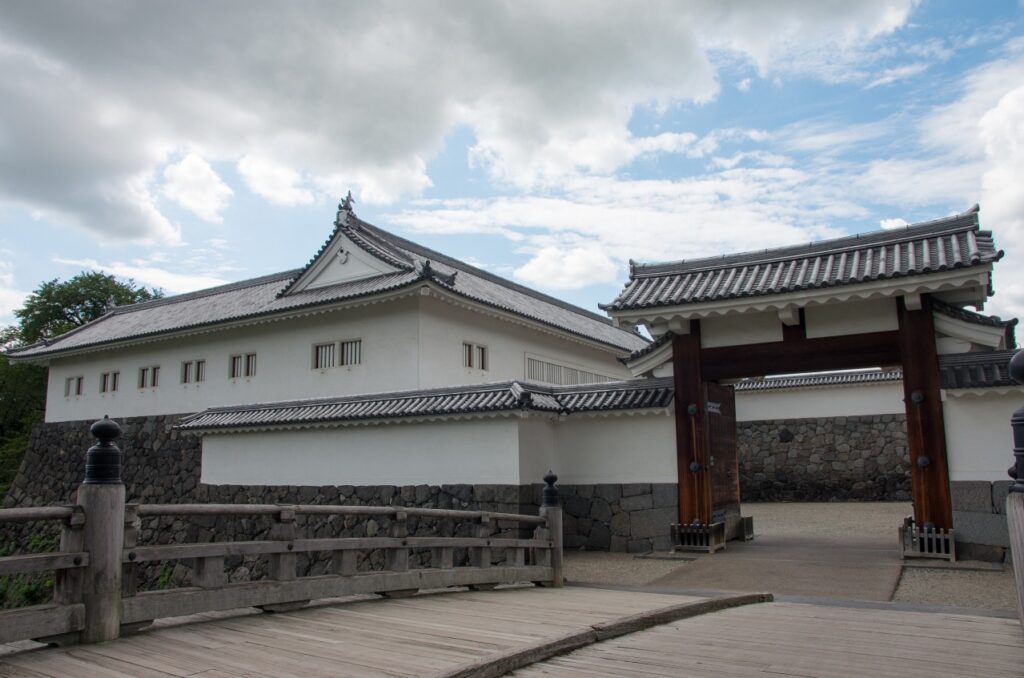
(52, 309)
(56, 307)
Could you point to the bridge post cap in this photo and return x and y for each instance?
(106, 430)
(550, 494)
(1017, 367)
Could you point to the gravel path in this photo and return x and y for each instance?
(875, 520)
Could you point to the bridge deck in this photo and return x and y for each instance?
(431, 634)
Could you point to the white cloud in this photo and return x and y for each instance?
(744, 85)
(145, 273)
(10, 296)
(563, 269)
(279, 184)
(894, 223)
(194, 185)
(365, 94)
(891, 75)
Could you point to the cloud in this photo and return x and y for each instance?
(892, 224)
(744, 85)
(145, 273)
(277, 183)
(891, 75)
(194, 185)
(100, 96)
(563, 269)
(11, 297)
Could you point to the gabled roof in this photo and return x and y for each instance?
(275, 294)
(507, 396)
(819, 380)
(1008, 327)
(941, 245)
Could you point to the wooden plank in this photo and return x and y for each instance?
(926, 433)
(32, 513)
(142, 554)
(40, 621)
(850, 351)
(43, 562)
(316, 509)
(185, 601)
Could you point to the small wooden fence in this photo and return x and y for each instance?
(95, 596)
(926, 542)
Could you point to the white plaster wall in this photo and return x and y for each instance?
(740, 329)
(538, 444)
(481, 451)
(283, 370)
(444, 327)
(853, 400)
(851, 317)
(623, 449)
(979, 441)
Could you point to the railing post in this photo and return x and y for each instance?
(551, 510)
(1015, 498)
(283, 566)
(101, 496)
(67, 587)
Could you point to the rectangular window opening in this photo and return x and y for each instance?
(200, 370)
(561, 375)
(352, 352)
(250, 364)
(323, 356)
(474, 355)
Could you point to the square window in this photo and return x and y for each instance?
(323, 356)
(352, 352)
(109, 382)
(474, 355)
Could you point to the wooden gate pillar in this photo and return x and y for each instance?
(926, 433)
(691, 438)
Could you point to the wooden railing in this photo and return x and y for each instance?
(65, 616)
(96, 596)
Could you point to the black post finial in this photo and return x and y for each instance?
(550, 496)
(1017, 422)
(103, 460)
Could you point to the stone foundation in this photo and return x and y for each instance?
(863, 458)
(979, 519)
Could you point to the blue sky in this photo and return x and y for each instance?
(547, 142)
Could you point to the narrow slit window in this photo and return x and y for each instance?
(200, 370)
(154, 376)
(186, 372)
(143, 377)
(467, 355)
(250, 364)
(79, 385)
(235, 367)
(74, 386)
(323, 356)
(108, 382)
(115, 380)
(352, 352)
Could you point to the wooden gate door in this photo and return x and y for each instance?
(723, 461)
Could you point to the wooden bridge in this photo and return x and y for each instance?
(324, 625)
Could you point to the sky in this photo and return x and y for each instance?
(185, 145)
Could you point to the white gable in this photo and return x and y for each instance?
(342, 261)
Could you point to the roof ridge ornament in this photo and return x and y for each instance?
(345, 209)
(429, 273)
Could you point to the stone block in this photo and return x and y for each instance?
(633, 489)
(599, 538)
(662, 543)
(651, 523)
(576, 505)
(620, 525)
(981, 528)
(971, 495)
(1000, 489)
(600, 510)
(619, 544)
(636, 502)
(983, 552)
(665, 494)
(609, 493)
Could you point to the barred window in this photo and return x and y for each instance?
(242, 365)
(323, 356)
(561, 375)
(200, 370)
(250, 364)
(474, 355)
(235, 367)
(73, 386)
(143, 377)
(186, 372)
(352, 352)
(109, 382)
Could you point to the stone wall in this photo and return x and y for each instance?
(163, 466)
(979, 519)
(861, 458)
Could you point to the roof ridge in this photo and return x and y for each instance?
(205, 292)
(458, 264)
(820, 247)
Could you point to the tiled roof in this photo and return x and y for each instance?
(945, 244)
(821, 379)
(983, 369)
(500, 397)
(1009, 326)
(270, 295)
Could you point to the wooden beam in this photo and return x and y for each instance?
(796, 354)
(690, 435)
(926, 433)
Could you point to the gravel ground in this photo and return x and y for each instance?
(918, 585)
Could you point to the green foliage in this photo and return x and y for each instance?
(19, 590)
(56, 307)
(164, 580)
(53, 308)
